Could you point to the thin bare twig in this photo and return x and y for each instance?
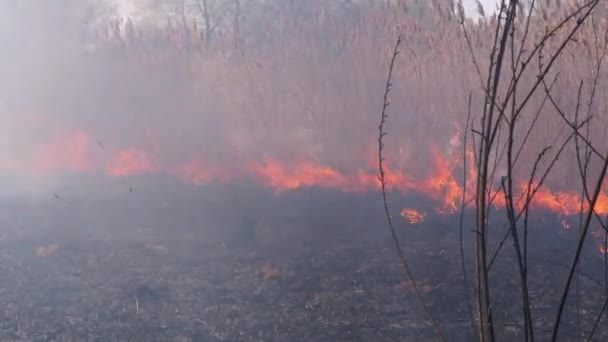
(579, 248)
(383, 183)
(597, 320)
(467, 296)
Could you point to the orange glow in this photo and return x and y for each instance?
(270, 272)
(194, 172)
(45, 251)
(131, 162)
(442, 185)
(412, 215)
(75, 152)
(284, 177)
(559, 202)
(599, 236)
(65, 153)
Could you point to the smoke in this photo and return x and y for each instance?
(141, 12)
(42, 100)
(82, 92)
(69, 104)
(96, 88)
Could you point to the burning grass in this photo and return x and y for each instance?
(290, 108)
(294, 117)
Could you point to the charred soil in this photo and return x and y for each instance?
(310, 265)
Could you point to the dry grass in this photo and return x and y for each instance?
(309, 89)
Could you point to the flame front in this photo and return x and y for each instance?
(131, 162)
(281, 176)
(74, 152)
(64, 153)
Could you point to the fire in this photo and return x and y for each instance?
(195, 172)
(65, 153)
(75, 152)
(269, 272)
(442, 184)
(284, 177)
(44, 251)
(559, 202)
(599, 236)
(131, 162)
(412, 215)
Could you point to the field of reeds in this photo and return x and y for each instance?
(311, 88)
(301, 85)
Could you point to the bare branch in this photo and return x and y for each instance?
(383, 182)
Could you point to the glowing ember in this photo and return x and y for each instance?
(412, 215)
(44, 251)
(270, 272)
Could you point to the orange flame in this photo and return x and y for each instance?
(283, 177)
(195, 172)
(73, 152)
(442, 185)
(412, 215)
(65, 153)
(131, 162)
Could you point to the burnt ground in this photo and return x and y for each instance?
(238, 263)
